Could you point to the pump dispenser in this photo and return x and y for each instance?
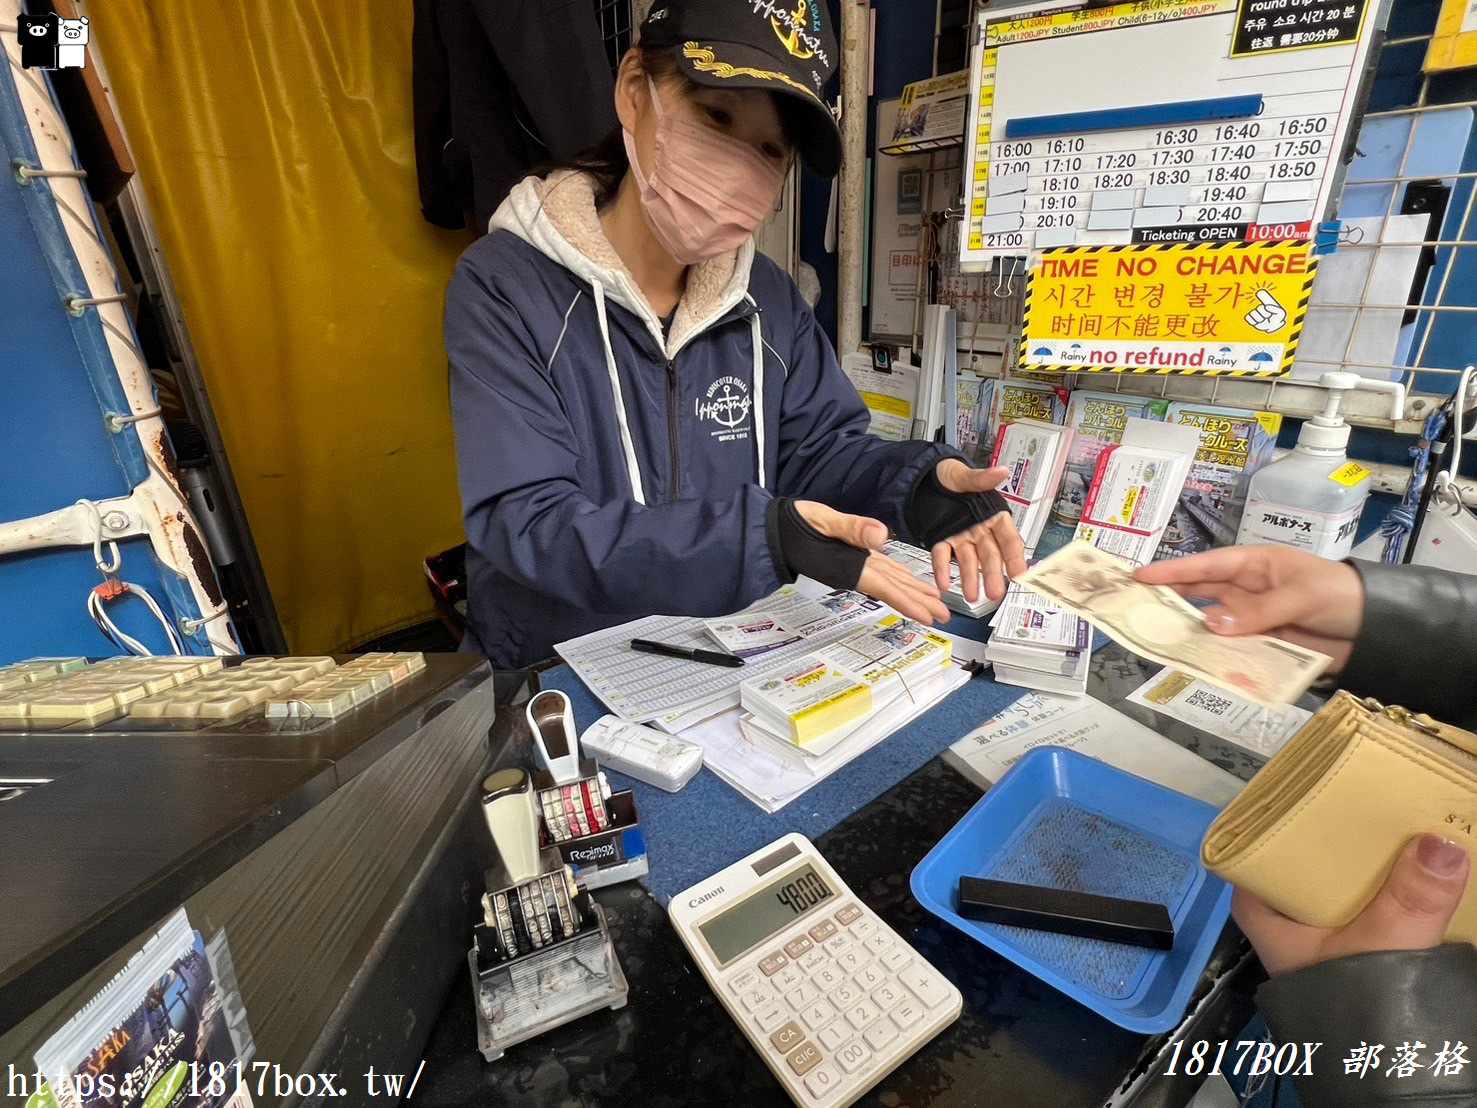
(1312, 499)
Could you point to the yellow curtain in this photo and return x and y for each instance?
(274, 142)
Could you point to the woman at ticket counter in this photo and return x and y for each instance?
(648, 417)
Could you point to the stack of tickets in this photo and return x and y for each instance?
(1036, 644)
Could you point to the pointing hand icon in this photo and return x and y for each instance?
(1268, 315)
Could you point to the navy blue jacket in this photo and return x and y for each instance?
(610, 472)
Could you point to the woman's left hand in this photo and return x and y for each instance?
(1411, 911)
(991, 548)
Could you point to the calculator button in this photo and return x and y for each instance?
(863, 928)
(822, 1081)
(798, 947)
(837, 944)
(845, 994)
(744, 982)
(852, 960)
(787, 978)
(827, 978)
(834, 1034)
(755, 999)
(879, 942)
(770, 1018)
(906, 1014)
(862, 1015)
(848, 915)
(853, 1055)
(804, 1058)
(880, 1034)
(869, 977)
(773, 963)
(788, 1037)
(895, 959)
(887, 997)
(813, 961)
(799, 997)
(823, 930)
(818, 1014)
(924, 985)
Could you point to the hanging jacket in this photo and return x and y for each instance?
(610, 470)
(501, 86)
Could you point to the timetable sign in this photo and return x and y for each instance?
(1188, 122)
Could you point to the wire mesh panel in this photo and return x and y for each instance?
(1065, 846)
(614, 17)
(1411, 186)
(1403, 305)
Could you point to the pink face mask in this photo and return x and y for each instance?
(706, 193)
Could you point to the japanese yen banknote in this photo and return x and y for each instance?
(1157, 623)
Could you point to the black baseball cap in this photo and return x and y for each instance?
(782, 46)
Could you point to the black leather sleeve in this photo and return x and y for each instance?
(1389, 998)
(933, 513)
(1418, 645)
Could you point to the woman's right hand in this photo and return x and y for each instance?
(882, 578)
(1272, 590)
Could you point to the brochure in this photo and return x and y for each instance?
(151, 1036)
(1097, 420)
(1234, 444)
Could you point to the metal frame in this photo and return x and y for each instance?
(639, 8)
(139, 227)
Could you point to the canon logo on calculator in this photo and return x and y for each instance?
(695, 901)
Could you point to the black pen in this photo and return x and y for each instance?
(708, 657)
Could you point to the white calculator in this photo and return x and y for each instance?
(825, 991)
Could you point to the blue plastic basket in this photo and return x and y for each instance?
(1066, 821)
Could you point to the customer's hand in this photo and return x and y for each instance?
(1272, 590)
(987, 548)
(882, 578)
(1411, 912)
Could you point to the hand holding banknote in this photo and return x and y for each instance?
(1272, 590)
(1156, 623)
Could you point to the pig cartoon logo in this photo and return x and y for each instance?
(50, 42)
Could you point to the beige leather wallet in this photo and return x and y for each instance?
(1316, 831)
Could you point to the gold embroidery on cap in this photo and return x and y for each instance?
(704, 61)
(790, 35)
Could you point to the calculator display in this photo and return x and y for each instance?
(762, 913)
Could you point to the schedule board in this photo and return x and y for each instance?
(1160, 121)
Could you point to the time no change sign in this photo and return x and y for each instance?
(1234, 309)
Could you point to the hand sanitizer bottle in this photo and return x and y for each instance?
(1311, 500)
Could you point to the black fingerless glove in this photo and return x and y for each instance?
(933, 513)
(798, 548)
